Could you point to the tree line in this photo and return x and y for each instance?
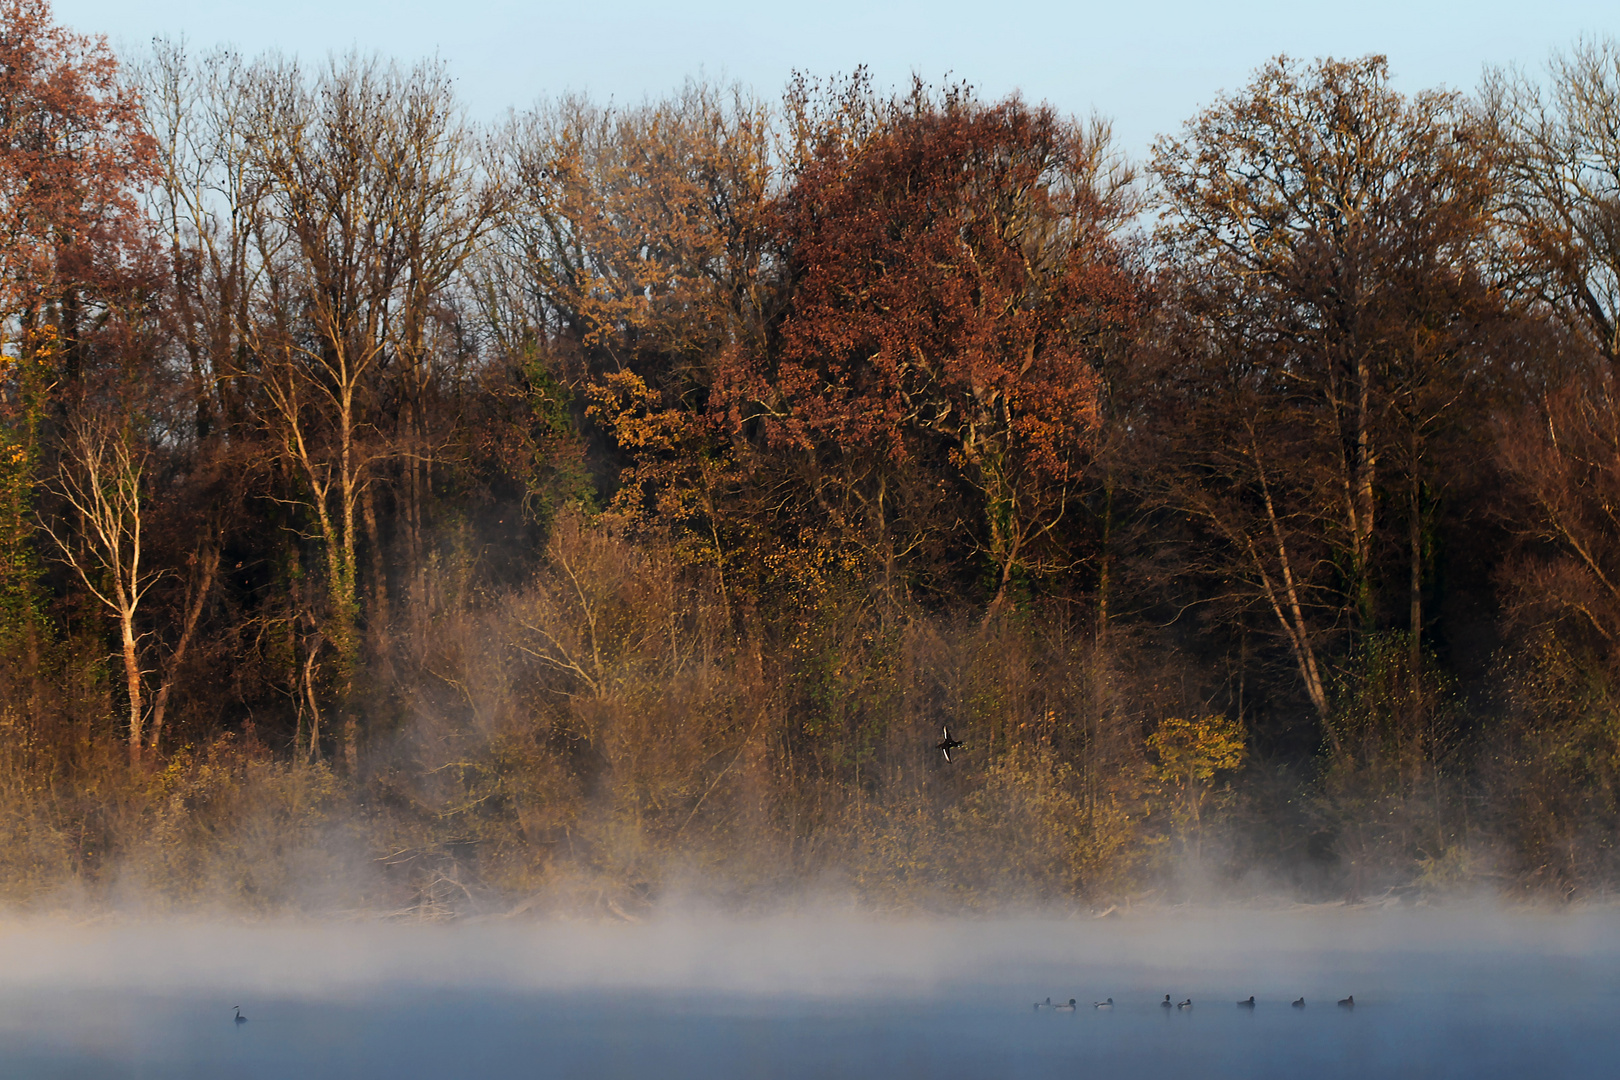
(617, 501)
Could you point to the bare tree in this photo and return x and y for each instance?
(1325, 318)
(1560, 222)
(372, 205)
(318, 222)
(100, 480)
(1561, 211)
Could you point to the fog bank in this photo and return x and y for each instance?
(821, 953)
(1439, 992)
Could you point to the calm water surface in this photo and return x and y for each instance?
(1438, 995)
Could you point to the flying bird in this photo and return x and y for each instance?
(947, 744)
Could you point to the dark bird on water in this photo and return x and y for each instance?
(240, 1019)
(1300, 1004)
(947, 744)
(1165, 1004)
(1249, 1004)
(1059, 1007)
(1065, 1008)
(1348, 1003)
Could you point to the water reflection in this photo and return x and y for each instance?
(1435, 995)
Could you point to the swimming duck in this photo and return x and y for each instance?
(1300, 1004)
(1185, 1004)
(1249, 1004)
(1065, 1008)
(240, 1019)
(1348, 1003)
(1109, 1004)
(947, 744)
(1165, 1004)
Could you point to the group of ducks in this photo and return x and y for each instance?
(1246, 1003)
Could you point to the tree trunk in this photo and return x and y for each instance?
(1366, 460)
(132, 680)
(1293, 623)
(379, 620)
(160, 704)
(1415, 540)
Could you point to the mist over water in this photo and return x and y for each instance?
(1439, 992)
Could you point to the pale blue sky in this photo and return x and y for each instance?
(1149, 66)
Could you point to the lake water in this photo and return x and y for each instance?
(1439, 993)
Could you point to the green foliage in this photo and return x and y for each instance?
(22, 399)
(555, 472)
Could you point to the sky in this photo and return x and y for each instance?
(1148, 66)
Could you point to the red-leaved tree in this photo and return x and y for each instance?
(955, 278)
(73, 154)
